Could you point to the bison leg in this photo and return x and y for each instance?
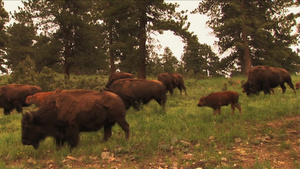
(219, 110)
(180, 87)
(283, 87)
(59, 143)
(214, 111)
(107, 130)
(170, 88)
(232, 108)
(239, 107)
(6, 112)
(18, 107)
(72, 134)
(291, 85)
(124, 125)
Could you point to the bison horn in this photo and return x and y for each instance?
(30, 115)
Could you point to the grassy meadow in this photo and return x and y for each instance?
(184, 136)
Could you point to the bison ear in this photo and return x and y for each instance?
(28, 116)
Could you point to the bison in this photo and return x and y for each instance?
(39, 98)
(217, 99)
(136, 91)
(297, 85)
(264, 78)
(178, 82)
(172, 81)
(116, 76)
(167, 80)
(14, 96)
(67, 113)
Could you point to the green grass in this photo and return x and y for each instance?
(185, 128)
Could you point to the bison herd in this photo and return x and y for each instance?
(63, 114)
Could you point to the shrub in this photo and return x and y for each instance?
(46, 79)
(24, 73)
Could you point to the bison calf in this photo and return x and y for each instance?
(297, 85)
(116, 76)
(217, 99)
(39, 98)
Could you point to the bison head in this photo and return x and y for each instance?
(297, 85)
(31, 131)
(202, 101)
(248, 88)
(29, 100)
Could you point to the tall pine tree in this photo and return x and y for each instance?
(253, 32)
(3, 36)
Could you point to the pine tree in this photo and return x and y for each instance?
(169, 61)
(71, 27)
(3, 36)
(254, 32)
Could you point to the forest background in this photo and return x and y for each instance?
(88, 37)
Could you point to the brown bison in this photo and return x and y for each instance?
(178, 82)
(297, 85)
(14, 96)
(116, 76)
(136, 91)
(39, 98)
(172, 81)
(67, 113)
(167, 80)
(217, 99)
(264, 78)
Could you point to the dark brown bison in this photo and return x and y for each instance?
(116, 76)
(67, 113)
(264, 78)
(297, 85)
(39, 98)
(178, 82)
(14, 96)
(167, 80)
(136, 91)
(217, 99)
(172, 81)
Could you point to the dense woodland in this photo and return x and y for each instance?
(85, 37)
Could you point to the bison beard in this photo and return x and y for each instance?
(67, 113)
(136, 91)
(264, 78)
(217, 99)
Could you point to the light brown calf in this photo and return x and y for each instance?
(217, 99)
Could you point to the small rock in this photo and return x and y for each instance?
(237, 140)
(72, 158)
(185, 143)
(224, 159)
(93, 158)
(105, 155)
(211, 137)
(30, 160)
(188, 156)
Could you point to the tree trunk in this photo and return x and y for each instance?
(246, 50)
(111, 54)
(67, 56)
(142, 44)
(247, 56)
